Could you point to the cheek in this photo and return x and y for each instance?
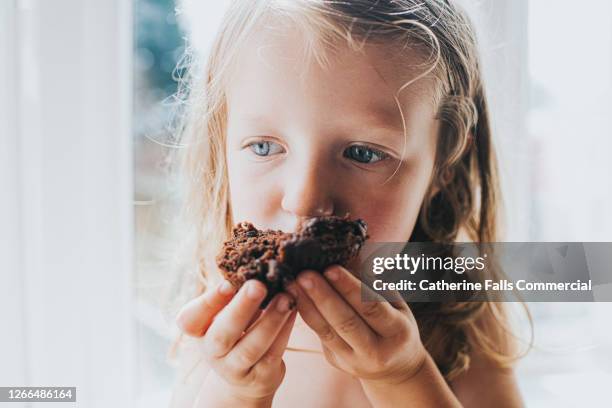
(390, 218)
(253, 196)
(391, 210)
(389, 221)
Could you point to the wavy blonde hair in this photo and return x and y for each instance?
(463, 197)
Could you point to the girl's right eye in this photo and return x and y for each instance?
(265, 148)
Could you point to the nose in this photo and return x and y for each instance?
(308, 192)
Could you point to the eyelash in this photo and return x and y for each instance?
(254, 145)
(382, 155)
(346, 153)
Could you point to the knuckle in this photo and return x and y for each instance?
(326, 333)
(268, 360)
(270, 366)
(331, 357)
(403, 333)
(217, 344)
(234, 369)
(349, 325)
(378, 362)
(189, 327)
(247, 356)
(344, 291)
(372, 310)
(207, 303)
(268, 373)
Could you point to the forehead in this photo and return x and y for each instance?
(274, 73)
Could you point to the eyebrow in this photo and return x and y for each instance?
(383, 117)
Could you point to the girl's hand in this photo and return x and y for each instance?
(243, 349)
(376, 342)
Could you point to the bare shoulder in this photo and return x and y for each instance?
(486, 383)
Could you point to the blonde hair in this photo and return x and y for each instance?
(463, 196)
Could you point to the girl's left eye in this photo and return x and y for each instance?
(265, 148)
(364, 154)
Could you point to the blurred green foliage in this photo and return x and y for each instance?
(158, 45)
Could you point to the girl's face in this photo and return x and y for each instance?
(304, 141)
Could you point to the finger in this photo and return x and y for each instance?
(255, 317)
(393, 297)
(380, 316)
(229, 325)
(259, 337)
(336, 311)
(268, 365)
(279, 345)
(315, 320)
(196, 316)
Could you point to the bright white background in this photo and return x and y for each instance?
(65, 207)
(78, 296)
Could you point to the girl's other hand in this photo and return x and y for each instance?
(373, 341)
(243, 348)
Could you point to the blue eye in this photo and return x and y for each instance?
(265, 148)
(364, 154)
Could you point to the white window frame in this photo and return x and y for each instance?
(66, 219)
(12, 347)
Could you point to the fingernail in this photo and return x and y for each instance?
(226, 288)
(305, 282)
(283, 304)
(255, 291)
(332, 274)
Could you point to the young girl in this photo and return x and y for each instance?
(315, 107)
